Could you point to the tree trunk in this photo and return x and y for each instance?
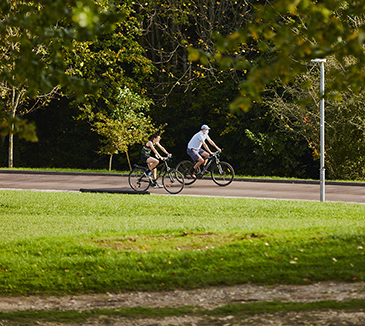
(11, 150)
(15, 100)
(110, 162)
(11, 141)
(129, 162)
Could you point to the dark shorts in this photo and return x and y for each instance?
(195, 154)
(144, 158)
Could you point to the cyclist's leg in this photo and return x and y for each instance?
(152, 163)
(195, 154)
(201, 161)
(205, 156)
(197, 159)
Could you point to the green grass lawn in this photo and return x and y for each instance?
(63, 243)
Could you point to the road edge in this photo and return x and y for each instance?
(264, 180)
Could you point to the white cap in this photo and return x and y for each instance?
(205, 127)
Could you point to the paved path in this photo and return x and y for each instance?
(251, 188)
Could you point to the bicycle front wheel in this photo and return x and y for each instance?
(222, 174)
(138, 180)
(184, 167)
(173, 181)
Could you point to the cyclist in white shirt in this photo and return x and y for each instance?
(195, 150)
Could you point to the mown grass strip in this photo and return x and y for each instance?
(12, 170)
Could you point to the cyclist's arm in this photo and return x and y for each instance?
(150, 144)
(207, 148)
(213, 144)
(162, 148)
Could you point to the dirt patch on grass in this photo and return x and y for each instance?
(185, 241)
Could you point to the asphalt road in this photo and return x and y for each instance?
(250, 188)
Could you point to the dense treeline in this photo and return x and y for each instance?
(153, 60)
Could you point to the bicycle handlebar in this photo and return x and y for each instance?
(217, 152)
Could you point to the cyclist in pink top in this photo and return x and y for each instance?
(195, 150)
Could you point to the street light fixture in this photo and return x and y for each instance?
(322, 168)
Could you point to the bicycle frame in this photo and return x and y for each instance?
(165, 168)
(214, 157)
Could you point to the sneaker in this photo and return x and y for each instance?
(192, 173)
(199, 175)
(206, 172)
(157, 185)
(149, 174)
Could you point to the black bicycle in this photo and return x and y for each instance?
(172, 180)
(222, 173)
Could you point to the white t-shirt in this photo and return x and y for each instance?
(196, 141)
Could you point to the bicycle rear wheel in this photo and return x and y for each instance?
(173, 181)
(138, 180)
(184, 167)
(222, 174)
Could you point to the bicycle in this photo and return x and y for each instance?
(222, 173)
(172, 180)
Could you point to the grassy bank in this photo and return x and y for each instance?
(62, 243)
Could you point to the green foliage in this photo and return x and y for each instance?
(188, 93)
(250, 52)
(114, 61)
(119, 134)
(117, 109)
(295, 113)
(128, 124)
(9, 125)
(286, 36)
(293, 33)
(178, 26)
(128, 102)
(42, 33)
(34, 36)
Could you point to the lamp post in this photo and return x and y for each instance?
(322, 168)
